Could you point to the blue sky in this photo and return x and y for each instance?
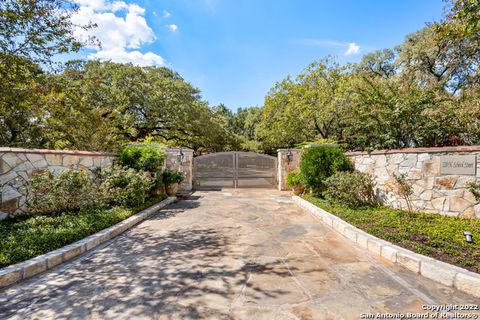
(234, 51)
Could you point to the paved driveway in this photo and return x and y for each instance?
(246, 254)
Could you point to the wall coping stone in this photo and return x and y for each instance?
(66, 152)
(289, 149)
(29, 268)
(178, 148)
(75, 152)
(453, 276)
(417, 150)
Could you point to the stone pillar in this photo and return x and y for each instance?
(286, 165)
(175, 161)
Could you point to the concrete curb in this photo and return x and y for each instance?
(438, 271)
(27, 269)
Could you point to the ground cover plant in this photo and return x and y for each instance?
(27, 237)
(66, 206)
(433, 235)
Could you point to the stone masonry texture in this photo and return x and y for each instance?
(18, 165)
(432, 192)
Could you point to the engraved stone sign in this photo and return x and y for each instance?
(463, 165)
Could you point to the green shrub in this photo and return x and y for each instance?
(69, 191)
(474, 188)
(319, 163)
(353, 189)
(142, 157)
(125, 186)
(169, 177)
(293, 179)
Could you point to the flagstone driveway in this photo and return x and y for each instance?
(245, 254)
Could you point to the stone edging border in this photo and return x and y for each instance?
(29, 268)
(438, 271)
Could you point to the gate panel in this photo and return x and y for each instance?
(235, 169)
(214, 170)
(255, 170)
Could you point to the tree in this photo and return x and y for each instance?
(462, 21)
(448, 64)
(114, 103)
(37, 29)
(280, 124)
(22, 88)
(31, 33)
(306, 108)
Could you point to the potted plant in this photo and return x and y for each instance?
(294, 181)
(171, 179)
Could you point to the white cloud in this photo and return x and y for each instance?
(172, 27)
(120, 35)
(123, 56)
(352, 49)
(166, 14)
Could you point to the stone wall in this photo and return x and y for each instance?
(18, 165)
(432, 192)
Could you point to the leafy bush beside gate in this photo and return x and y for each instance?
(320, 162)
(146, 157)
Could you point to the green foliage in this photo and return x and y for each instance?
(142, 157)
(319, 163)
(21, 103)
(170, 177)
(353, 189)
(422, 93)
(438, 236)
(474, 188)
(119, 103)
(31, 33)
(315, 142)
(69, 191)
(294, 178)
(38, 29)
(462, 21)
(125, 186)
(305, 108)
(27, 237)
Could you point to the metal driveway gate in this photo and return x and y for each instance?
(234, 170)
